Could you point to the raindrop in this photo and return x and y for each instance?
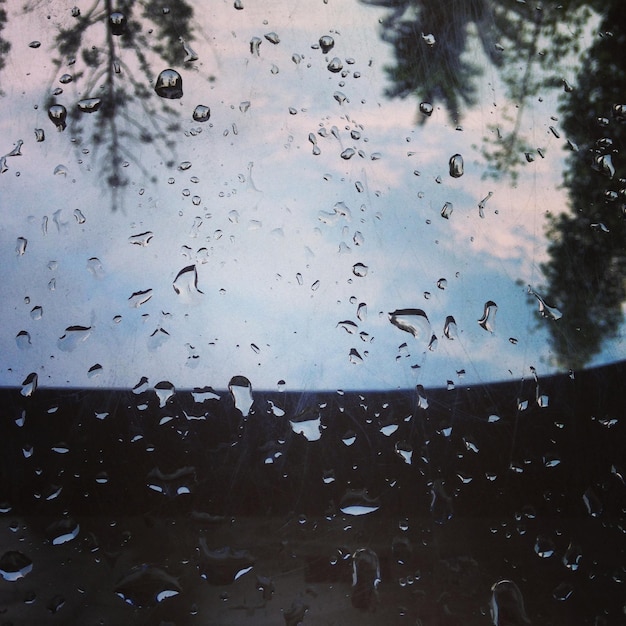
(141, 239)
(186, 281)
(429, 39)
(34, 44)
(139, 298)
(89, 105)
(405, 451)
(23, 340)
(544, 547)
(40, 135)
(360, 270)
(572, 557)
(412, 321)
(446, 210)
(357, 502)
(308, 424)
(117, 22)
(348, 153)
(450, 328)
(36, 313)
(57, 114)
(29, 385)
(224, 565)
(244, 106)
(62, 531)
(442, 283)
(238, 4)
(164, 391)
(335, 65)
(73, 335)
(94, 370)
(604, 164)
(440, 503)
(456, 166)
(201, 113)
(326, 43)
(365, 579)
(507, 605)
(488, 320)
(272, 38)
(169, 84)
(426, 108)
(562, 592)
(146, 586)
(545, 310)
(255, 44)
(78, 214)
(14, 565)
(20, 246)
(592, 502)
(241, 391)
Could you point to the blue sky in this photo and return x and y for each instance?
(269, 235)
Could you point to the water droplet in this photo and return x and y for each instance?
(201, 113)
(117, 23)
(186, 281)
(57, 114)
(440, 503)
(94, 370)
(335, 65)
(141, 239)
(426, 108)
(592, 502)
(29, 385)
(14, 565)
(340, 97)
(308, 424)
(429, 39)
(169, 84)
(59, 170)
(405, 451)
(272, 38)
(62, 531)
(446, 210)
(450, 330)
(89, 105)
(241, 391)
(360, 270)
(326, 43)
(572, 557)
(357, 502)
(604, 164)
(348, 153)
(40, 135)
(544, 547)
(412, 321)
(146, 586)
(224, 565)
(72, 337)
(20, 246)
(36, 313)
(238, 4)
(546, 310)
(34, 44)
(164, 391)
(442, 283)
(138, 298)
(488, 320)
(22, 339)
(456, 166)
(365, 579)
(507, 605)
(255, 44)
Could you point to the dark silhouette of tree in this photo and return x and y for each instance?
(116, 73)
(586, 273)
(5, 46)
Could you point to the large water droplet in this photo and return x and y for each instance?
(604, 164)
(358, 269)
(241, 390)
(89, 105)
(326, 43)
(456, 166)
(488, 320)
(201, 113)
(57, 114)
(169, 84)
(255, 45)
(335, 65)
(544, 547)
(62, 531)
(117, 23)
(446, 210)
(450, 330)
(308, 424)
(22, 339)
(507, 605)
(545, 310)
(426, 108)
(186, 281)
(14, 565)
(224, 565)
(358, 502)
(20, 246)
(29, 385)
(440, 503)
(146, 586)
(73, 335)
(412, 321)
(365, 579)
(164, 391)
(572, 557)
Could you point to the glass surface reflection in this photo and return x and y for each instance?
(313, 312)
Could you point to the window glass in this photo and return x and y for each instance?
(313, 312)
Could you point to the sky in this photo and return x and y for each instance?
(266, 260)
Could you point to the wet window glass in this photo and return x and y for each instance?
(313, 313)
